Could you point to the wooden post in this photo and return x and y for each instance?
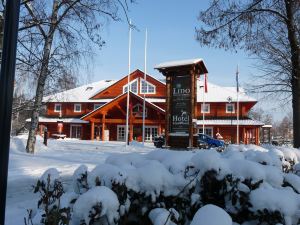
(130, 132)
(256, 136)
(159, 129)
(168, 111)
(92, 130)
(103, 126)
(244, 135)
(191, 128)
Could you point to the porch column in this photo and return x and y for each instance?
(130, 132)
(159, 129)
(103, 125)
(256, 136)
(244, 135)
(92, 130)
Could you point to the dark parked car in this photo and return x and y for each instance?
(205, 141)
(159, 141)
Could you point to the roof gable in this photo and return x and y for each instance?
(116, 88)
(123, 97)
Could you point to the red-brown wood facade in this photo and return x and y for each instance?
(112, 115)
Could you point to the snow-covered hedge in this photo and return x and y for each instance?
(245, 184)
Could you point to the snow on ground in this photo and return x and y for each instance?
(147, 170)
(64, 155)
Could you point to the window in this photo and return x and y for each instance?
(133, 87)
(138, 110)
(230, 108)
(77, 107)
(205, 108)
(208, 131)
(97, 105)
(57, 108)
(150, 133)
(121, 134)
(75, 131)
(147, 88)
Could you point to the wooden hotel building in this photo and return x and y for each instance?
(97, 111)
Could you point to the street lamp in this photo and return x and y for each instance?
(229, 99)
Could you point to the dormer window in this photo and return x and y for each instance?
(57, 108)
(133, 86)
(147, 88)
(137, 110)
(77, 107)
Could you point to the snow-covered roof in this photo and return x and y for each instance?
(216, 93)
(230, 122)
(80, 94)
(64, 120)
(185, 62)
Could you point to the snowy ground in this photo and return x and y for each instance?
(268, 176)
(65, 155)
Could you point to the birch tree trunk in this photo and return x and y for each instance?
(42, 80)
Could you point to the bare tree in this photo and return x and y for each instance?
(53, 36)
(268, 30)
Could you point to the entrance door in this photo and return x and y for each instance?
(75, 131)
(150, 132)
(121, 132)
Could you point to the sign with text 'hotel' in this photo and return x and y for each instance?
(181, 104)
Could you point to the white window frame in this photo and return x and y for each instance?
(57, 104)
(207, 128)
(71, 129)
(137, 84)
(148, 84)
(233, 107)
(118, 135)
(77, 104)
(99, 105)
(150, 138)
(208, 107)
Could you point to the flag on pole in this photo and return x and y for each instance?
(205, 83)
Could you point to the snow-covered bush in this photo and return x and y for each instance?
(245, 183)
(50, 210)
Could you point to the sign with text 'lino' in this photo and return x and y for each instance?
(181, 107)
(181, 101)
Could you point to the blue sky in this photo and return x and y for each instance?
(171, 36)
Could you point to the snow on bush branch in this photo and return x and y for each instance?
(252, 184)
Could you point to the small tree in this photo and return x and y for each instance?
(266, 29)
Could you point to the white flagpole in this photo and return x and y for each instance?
(128, 86)
(203, 105)
(238, 106)
(145, 82)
